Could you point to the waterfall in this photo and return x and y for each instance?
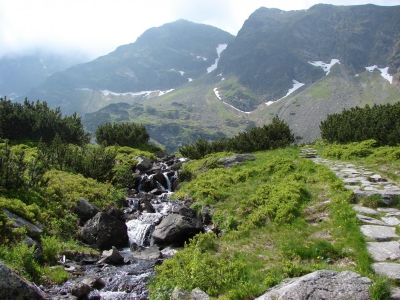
(139, 232)
(168, 182)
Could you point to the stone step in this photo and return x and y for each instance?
(379, 233)
(381, 251)
(391, 270)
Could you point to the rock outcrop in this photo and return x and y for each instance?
(175, 228)
(85, 210)
(12, 286)
(105, 231)
(321, 285)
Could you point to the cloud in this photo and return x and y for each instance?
(98, 27)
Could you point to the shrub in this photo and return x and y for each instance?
(123, 134)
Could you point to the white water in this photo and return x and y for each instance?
(139, 232)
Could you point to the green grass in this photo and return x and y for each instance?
(268, 211)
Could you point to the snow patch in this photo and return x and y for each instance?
(107, 92)
(190, 79)
(160, 93)
(384, 72)
(219, 97)
(296, 86)
(326, 67)
(41, 61)
(182, 72)
(204, 58)
(220, 48)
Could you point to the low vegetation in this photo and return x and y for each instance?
(44, 171)
(272, 136)
(280, 216)
(379, 122)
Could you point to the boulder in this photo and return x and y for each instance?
(322, 284)
(38, 246)
(140, 252)
(235, 159)
(112, 257)
(18, 222)
(105, 231)
(94, 282)
(85, 210)
(206, 215)
(180, 294)
(143, 163)
(176, 228)
(81, 290)
(12, 286)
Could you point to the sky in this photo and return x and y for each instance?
(98, 27)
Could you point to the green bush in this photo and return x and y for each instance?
(123, 134)
(272, 136)
(379, 122)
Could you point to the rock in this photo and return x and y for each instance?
(168, 252)
(321, 285)
(196, 294)
(94, 282)
(85, 210)
(12, 286)
(38, 246)
(150, 253)
(187, 212)
(18, 222)
(143, 163)
(206, 215)
(370, 220)
(105, 231)
(392, 221)
(365, 210)
(235, 159)
(381, 251)
(391, 270)
(379, 233)
(161, 179)
(175, 228)
(116, 213)
(112, 257)
(81, 290)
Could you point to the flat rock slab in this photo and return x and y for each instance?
(391, 270)
(381, 251)
(392, 221)
(370, 220)
(387, 209)
(365, 210)
(379, 233)
(321, 285)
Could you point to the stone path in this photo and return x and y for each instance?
(380, 224)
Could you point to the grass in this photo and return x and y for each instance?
(280, 216)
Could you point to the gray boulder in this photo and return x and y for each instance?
(38, 246)
(140, 252)
(112, 257)
(81, 290)
(105, 231)
(196, 294)
(85, 210)
(143, 163)
(322, 284)
(235, 159)
(18, 222)
(175, 228)
(13, 286)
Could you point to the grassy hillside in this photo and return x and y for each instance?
(279, 216)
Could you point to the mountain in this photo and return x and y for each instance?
(22, 72)
(161, 59)
(275, 47)
(299, 65)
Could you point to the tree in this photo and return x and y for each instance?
(122, 134)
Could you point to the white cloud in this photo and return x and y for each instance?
(98, 27)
